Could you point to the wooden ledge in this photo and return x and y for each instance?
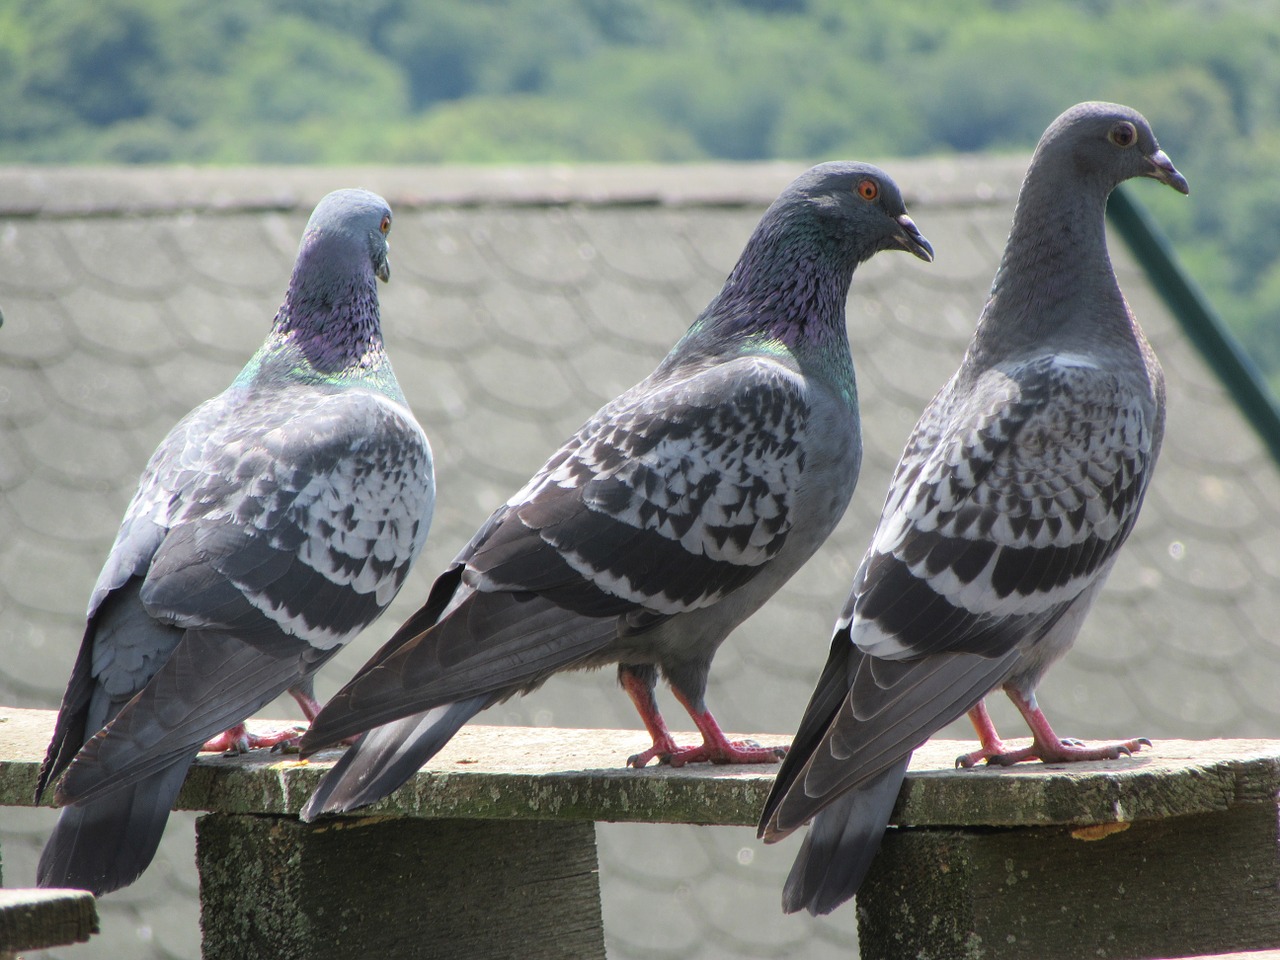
(37, 919)
(543, 773)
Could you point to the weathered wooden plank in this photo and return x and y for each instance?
(371, 887)
(1174, 849)
(559, 774)
(1156, 888)
(37, 919)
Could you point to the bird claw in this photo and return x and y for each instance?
(967, 761)
(293, 745)
(639, 760)
(736, 751)
(1068, 750)
(238, 741)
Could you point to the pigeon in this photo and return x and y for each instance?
(1015, 492)
(273, 524)
(670, 517)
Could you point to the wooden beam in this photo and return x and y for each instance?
(39, 919)
(373, 887)
(1173, 849)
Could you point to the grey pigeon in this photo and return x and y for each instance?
(663, 523)
(1017, 488)
(273, 524)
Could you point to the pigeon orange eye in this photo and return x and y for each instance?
(386, 223)
(1123, 134)
(868, 189)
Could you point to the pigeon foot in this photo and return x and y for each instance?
(715, 746)
(1046, 745)
(725, 751)
(237, 740)
(1069, 751)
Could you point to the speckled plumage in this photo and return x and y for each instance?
(664, 522)
(1016, 490)
(271, 525)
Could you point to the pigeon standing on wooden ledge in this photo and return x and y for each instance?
(1015, 492)
(663, 523)
(273, 524)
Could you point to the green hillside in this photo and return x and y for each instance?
(397, 81)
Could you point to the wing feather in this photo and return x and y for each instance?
(669, 499)
(1011, 499)
(1006, 506)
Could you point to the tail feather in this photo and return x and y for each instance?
(490, 645)
(210, 682)
(385, 757)
(105, 844)
(841, 843)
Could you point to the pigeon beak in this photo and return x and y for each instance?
(383, 269)
(911, 240)
(1162, 169)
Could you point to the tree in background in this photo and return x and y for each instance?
(422, 81)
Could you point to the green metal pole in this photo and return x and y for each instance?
(1197, 318)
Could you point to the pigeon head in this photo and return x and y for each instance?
(345, 237)
(1056, 257)
(856, 207)
(330, 311)
(792, 280)
(1108, 143)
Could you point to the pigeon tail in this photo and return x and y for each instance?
(842, 841)
(210, 682)
(106, 844)
(384, 758)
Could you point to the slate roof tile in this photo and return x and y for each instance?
(230, 254)
(33, 259)
(37, 329)
(133, 259)
(639, 319)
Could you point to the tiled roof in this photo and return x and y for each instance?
(522, 299)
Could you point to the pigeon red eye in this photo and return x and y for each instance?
(1123, 134)
(386, 223)
(868, 189)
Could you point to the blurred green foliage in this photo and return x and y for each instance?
(405, 81)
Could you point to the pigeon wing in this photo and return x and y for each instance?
(1006, 506)
(300, 518)
(280, 543)
(1007, 503)
(668, 500)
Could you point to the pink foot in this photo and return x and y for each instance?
(1069, 751)
(715, 746)
(992, 745)
(237, 740)
(662, 750)
(1046, 745)
(722, 751)
(727, 751)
